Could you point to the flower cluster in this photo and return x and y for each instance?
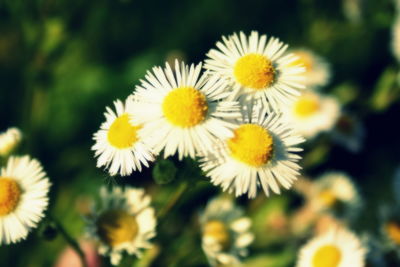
(229, 117)
(241, 115)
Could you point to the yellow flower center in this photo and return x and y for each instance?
(328, 198)
(122, 134)
(304, 59)
(393, 232)
(327, 256)
(185, 107)
(116, 226)
(10, 194)
(251, 144)
(306, 106)
(217, 231)
(254, 71)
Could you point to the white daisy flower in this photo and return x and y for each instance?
(256, 68)
(336, 248)
(24, 189)
(259, 154)
(118, 147)
(183, 111)
(124, 221)
(336, 190)
(225, 232)
(312, 113)
(9, 140)
(317, 70)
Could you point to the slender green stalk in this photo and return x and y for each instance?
(71, 241)
(173, 200)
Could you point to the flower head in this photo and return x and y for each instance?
(183, 111)
(9, 140)
(259, 154)
(336, 248)
(24, 191)
(317, 70)
(118, 146)
(256, 68)
(225, 232)
(123, 221)
(335, 192)
(312, 114)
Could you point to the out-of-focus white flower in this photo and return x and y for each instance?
(124, 221)
(9, 140)
(312, 114)
(336, 248)
(225, 232)
(317, 69)
(336, 190)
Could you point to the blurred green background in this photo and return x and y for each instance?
(62, 62)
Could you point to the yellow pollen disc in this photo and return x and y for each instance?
(122, 134)
(10, 194)
(217, 231)
(393, 232)
(306, 105)
(254, 71)
(304, 59)
(327, 256)
(117, 226)
(251, 144)
(185, 107)
(327, 198)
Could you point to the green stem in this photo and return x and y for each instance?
(71, 241)
(173, 200)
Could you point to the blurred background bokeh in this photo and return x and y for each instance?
(63, 62)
